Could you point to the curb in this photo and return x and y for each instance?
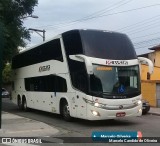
(156, 114)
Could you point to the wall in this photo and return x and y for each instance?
(148, 89)
(154, 76)
(155, 57)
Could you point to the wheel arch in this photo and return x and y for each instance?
(62, 100)
(23, 98)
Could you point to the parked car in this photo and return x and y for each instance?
(146, 107)
(5, 93)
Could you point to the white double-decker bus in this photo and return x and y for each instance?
(88, 74)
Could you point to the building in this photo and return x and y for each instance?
(151, 83)
(155, 56)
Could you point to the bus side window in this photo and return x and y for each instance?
(48, 51)
(79, 76)
(96, 84)
(61, 85)
(49, 83)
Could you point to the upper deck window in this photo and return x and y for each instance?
(107, 45)
(48, 51)
(99, 44)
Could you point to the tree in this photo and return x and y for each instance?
(12, 13)
(7, 74)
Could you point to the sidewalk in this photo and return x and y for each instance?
(17, 126)
(154, 111)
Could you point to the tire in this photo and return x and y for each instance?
(19, 103)
(24, 105)
(66, 112)
(144, 113)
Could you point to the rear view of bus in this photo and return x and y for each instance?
(105, 72)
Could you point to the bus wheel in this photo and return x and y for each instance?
(19, 103)
(24, 104)
(66, 111)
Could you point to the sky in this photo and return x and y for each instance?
(139, 19)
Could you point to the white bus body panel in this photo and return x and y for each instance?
(114, 104)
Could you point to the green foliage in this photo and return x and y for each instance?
(7, 74)
(12, 13)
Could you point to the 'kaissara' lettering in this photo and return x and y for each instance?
(116, 62)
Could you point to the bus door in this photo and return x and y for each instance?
(59, 86)
(81, 84)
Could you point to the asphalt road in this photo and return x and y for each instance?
(148, 124)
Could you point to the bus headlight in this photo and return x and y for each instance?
(96, 104)
(140, 110)
(95, 113)
(100, 105)
(139, 102)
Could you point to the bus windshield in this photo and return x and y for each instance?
(115, 80)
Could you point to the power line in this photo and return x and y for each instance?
(133, 32)
(127, 11)
(143, 25)
(146, 46)
(107, 9)
(140, 22)
(120, 12)
(147, 41)
(142, 28)
(146, 35)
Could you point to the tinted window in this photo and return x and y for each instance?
(107, 45)
(73, 45)
(48, 51)
(72, 42)
(79, 75)
(60, 84)
(46, 84)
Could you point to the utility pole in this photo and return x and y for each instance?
(1, 48)
(37, 31)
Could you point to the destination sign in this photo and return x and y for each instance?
(104, 68)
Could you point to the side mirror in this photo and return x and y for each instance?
(147, 61)
(85, 59)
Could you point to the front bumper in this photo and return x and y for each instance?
(103, 114)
